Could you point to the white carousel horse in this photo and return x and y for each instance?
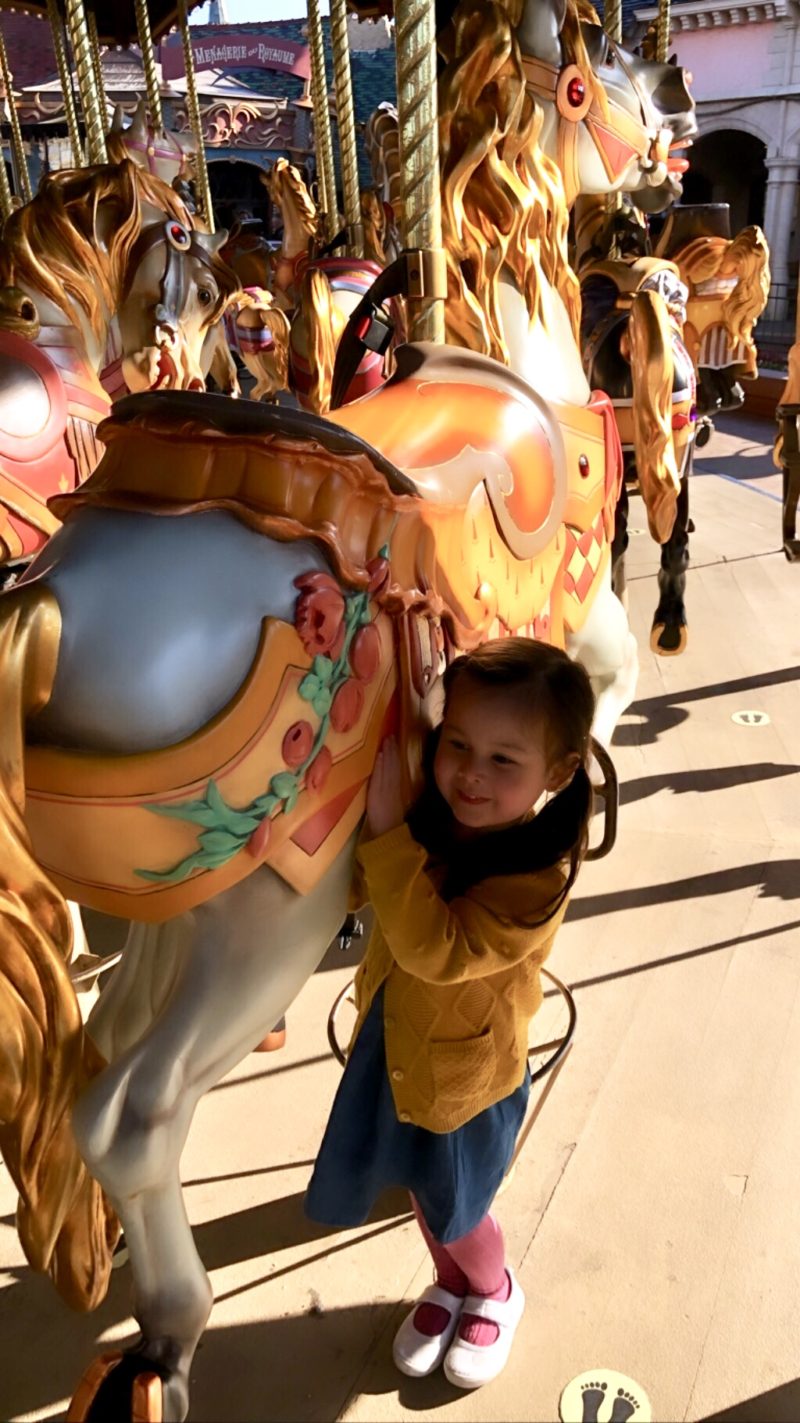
(232, 728)
(95, 249)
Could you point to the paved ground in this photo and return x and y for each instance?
(653, 1214)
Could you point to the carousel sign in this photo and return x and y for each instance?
(236, 49)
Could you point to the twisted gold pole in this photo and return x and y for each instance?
(193, 105)
(97, 61)
(417, 109)
(20, 161)
(6, 196)
(662, 43)
(322, 121)
(65, 75)
(346, 120)
(612, 19)
(93, 118)
(145, 35)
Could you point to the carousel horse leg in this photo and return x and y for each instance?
(606, 648)
(670, 634)
(132, 1122)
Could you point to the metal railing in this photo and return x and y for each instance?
(774, 332)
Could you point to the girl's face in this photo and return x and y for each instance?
(491, 764)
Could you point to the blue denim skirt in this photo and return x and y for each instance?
(454, 1175)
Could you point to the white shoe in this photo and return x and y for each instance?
(471, 1365)
(419, 1354)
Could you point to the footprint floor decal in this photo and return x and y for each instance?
(604, 1396)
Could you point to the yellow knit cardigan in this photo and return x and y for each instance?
(461, 979)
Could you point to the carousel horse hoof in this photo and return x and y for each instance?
(118, 1388)
(668, 637)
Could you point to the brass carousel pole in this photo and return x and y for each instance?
(346, 120)
(17, 148)
(418, 118)
(97, 62)
(612, 26)
(193, 106)
(6, 196)
(93, 116)
(662, 42)
(612, 19)
(323, 141)
(65, 75)
(149, 61)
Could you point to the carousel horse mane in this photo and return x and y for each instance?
(51, 244)
(285, 185)
(503, 201)
(746, 257)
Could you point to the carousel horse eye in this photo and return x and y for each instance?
(576, 92)
(204, 296)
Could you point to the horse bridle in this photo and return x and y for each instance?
(151, 153)
(565, 86)
(179, 243)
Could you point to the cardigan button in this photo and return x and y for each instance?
(404, 1116)
(398, 1074)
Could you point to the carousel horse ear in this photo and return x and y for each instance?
(116, 122)
(138, 128)
(211, 242)
(539, 30)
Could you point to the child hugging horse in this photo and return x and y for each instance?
(468, 891)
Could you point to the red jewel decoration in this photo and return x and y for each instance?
(178, 233)
(576, 92)
(583, 466)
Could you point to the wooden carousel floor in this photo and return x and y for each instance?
(653, 1215)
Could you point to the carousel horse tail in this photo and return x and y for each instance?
(65, 1225)
(748, 256)
(653, 372)
(324, 326)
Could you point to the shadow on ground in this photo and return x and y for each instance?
(778, 1405)
(258, 1372)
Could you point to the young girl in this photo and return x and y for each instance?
(468, 892)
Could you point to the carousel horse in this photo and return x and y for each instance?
(171, 157)
(319, 292)
(728, 288)
(300, 221)
(512, 292)
(94, 247)
(164, 154)
(231, 728)
(259, 332)
(633, 314)
(249, 253)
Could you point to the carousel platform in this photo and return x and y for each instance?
(653, 1212)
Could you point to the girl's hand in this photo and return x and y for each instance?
(385, 805)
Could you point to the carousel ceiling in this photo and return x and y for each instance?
(116, 19)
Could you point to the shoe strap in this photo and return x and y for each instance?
(435, 1294)
(497, 1311)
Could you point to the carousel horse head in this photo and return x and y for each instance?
(612, 119)
(169, 156)
(113, 240)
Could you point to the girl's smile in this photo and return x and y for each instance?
(491, 764)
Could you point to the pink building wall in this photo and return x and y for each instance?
(728, 63)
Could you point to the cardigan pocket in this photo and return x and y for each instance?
(465, 1068)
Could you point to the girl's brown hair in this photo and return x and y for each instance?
(555, 695)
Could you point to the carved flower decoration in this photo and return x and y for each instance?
(319, 614)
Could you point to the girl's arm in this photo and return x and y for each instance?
(467, 938)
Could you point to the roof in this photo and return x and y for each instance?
(116, 19)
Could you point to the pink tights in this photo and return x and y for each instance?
(473, 1265)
